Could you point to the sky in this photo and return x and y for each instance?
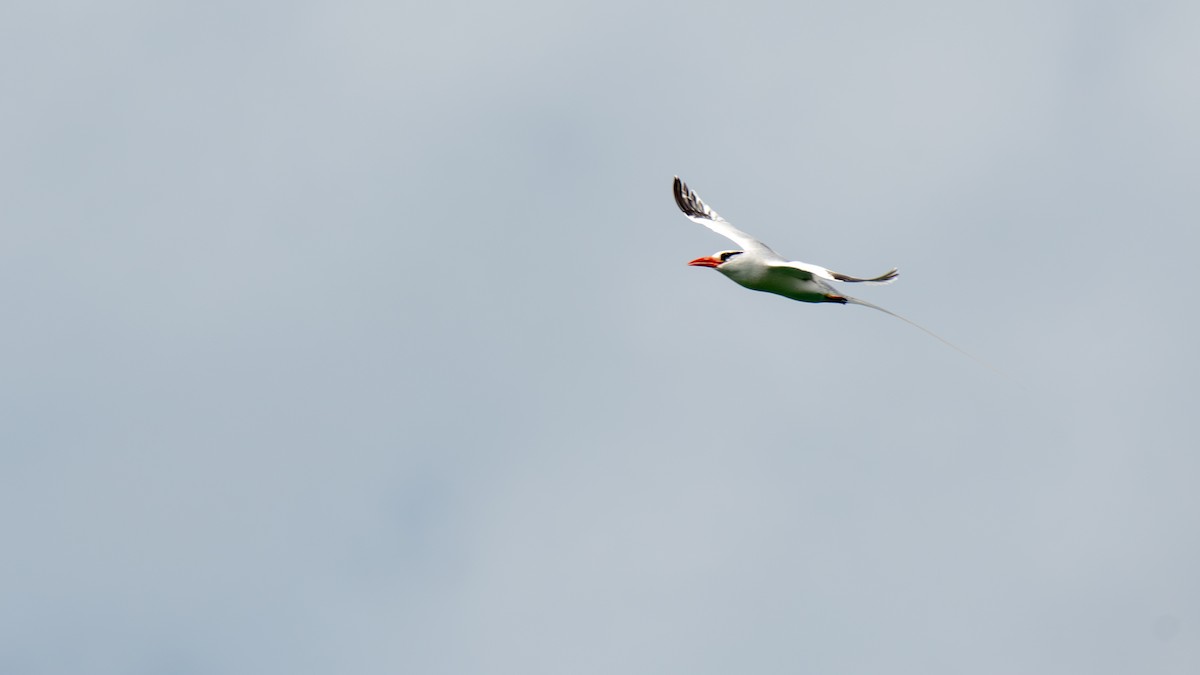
(358, 337)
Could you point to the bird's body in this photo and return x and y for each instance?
(748, 271)
(759, 268)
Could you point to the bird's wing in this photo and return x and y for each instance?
(807, 271)
(696, 210)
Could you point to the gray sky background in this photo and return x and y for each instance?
(357, 338)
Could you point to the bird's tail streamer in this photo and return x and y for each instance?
(960, 350)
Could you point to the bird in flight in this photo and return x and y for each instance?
(758, 268)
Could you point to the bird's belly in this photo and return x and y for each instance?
(787, 286)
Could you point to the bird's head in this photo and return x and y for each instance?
(715, 260)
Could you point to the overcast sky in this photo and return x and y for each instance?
(358, 338)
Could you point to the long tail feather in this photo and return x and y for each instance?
(960, 350)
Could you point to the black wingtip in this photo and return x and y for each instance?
(881, 279)
(687, 201)
(887, 276)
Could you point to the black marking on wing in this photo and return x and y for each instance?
(689, 203)
(886, 276)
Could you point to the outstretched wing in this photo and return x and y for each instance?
(696, 210)
(807, 271)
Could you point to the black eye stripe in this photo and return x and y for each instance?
(728, 254)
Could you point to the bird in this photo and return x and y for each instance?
(757, 267)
